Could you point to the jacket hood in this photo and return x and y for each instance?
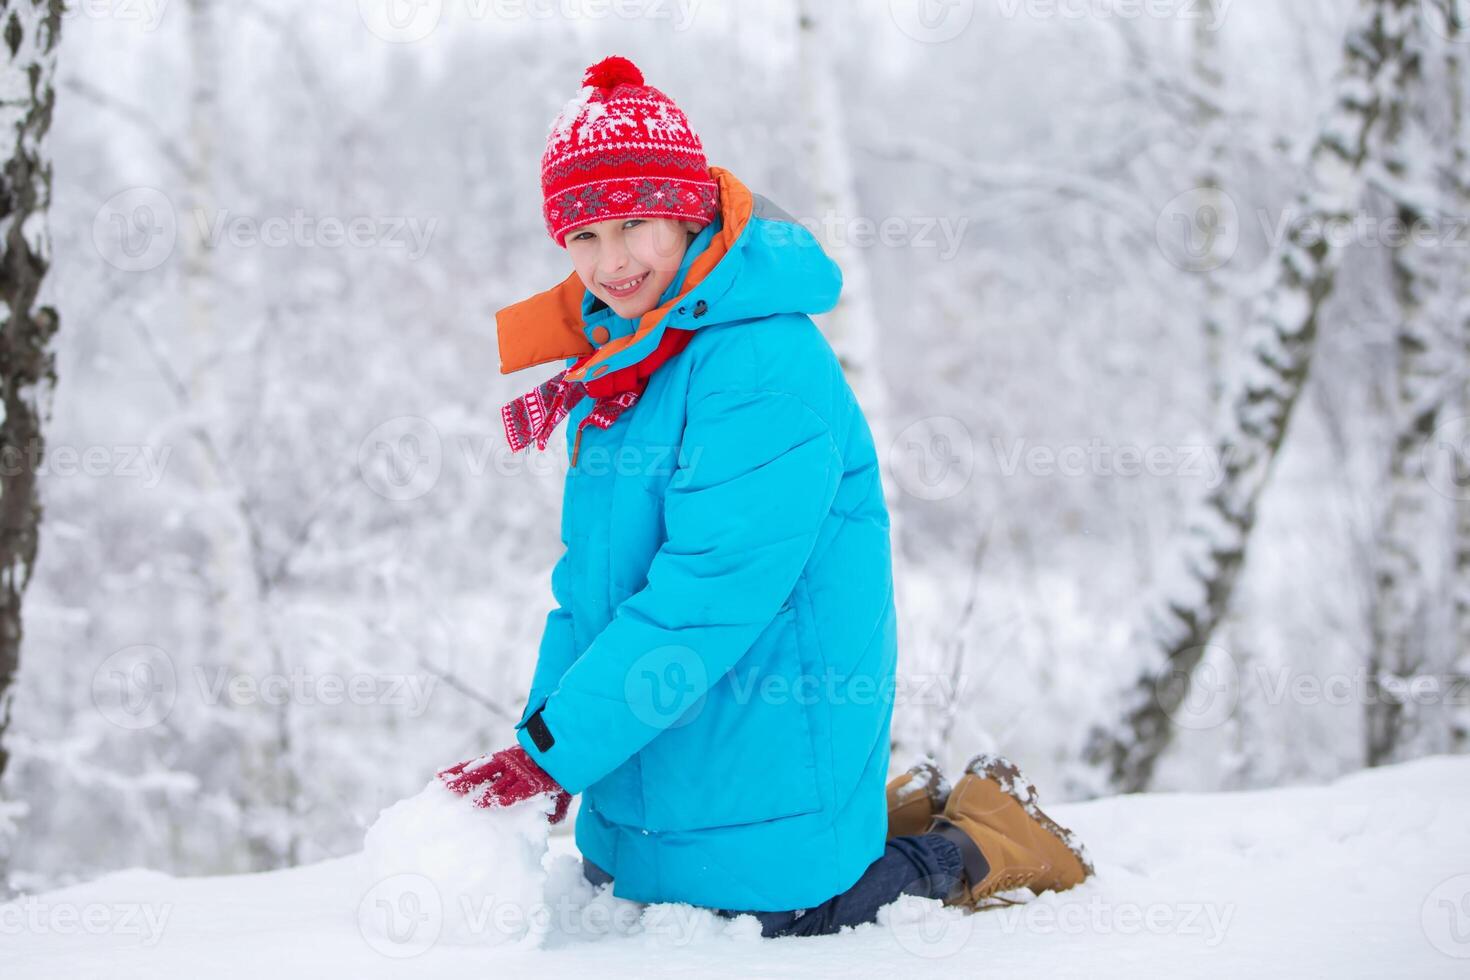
(758, 262)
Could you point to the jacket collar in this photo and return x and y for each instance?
(549, 326)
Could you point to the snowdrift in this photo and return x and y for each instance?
(1367, 876)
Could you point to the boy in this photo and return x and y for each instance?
(712, 680)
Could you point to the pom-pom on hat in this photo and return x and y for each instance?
(622, 148)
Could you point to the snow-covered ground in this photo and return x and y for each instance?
(1368, 876)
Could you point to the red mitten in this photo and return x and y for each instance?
(509, 776)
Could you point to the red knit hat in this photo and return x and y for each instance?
(622, 148)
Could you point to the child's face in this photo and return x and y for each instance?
(645, 250)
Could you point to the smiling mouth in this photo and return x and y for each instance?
(628, 289)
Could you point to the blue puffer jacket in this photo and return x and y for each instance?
(717, 677)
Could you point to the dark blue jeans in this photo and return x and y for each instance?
(926, 865)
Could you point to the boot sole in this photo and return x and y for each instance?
(927, 780)
(1007, 775)
(932, 781)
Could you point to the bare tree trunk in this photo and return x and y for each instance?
(1282, 335)
(31, 30)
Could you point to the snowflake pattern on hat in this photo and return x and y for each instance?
(620, 148)
(660, 195)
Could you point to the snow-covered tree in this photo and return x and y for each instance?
(1280, 338)
(30, 31)
(1417, 169)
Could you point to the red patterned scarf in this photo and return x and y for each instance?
(535, 415)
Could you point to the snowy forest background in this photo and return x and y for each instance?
(287, 567)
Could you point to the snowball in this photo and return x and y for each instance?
(444, 871)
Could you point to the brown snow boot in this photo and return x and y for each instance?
(914, 798)
(1005, 839)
